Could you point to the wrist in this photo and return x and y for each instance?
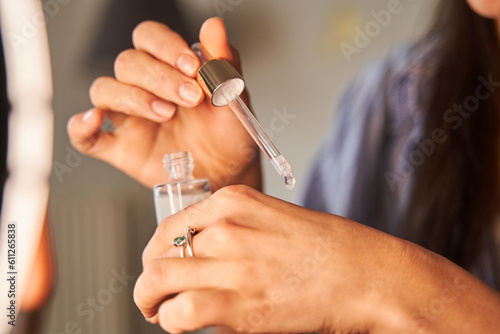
(365, 283)
(429, 294)
(389, 302)
(394, 287)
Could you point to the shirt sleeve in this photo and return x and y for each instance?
(348, 176)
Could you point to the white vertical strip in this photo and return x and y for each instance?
(29, 156)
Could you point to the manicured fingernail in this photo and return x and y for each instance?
(187, 64)
(87, 118)
(162, 108)
(190, 93)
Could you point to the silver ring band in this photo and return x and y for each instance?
(188, 234)
(186, 241)
(181, 243)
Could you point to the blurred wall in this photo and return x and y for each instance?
(295, 71)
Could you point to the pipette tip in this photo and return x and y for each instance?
(283, 168)
(289, 181)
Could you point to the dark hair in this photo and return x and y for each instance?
(456, 193)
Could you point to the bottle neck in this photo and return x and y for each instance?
(180, 173)
(179, 166)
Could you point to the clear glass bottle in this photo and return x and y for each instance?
(182, 189)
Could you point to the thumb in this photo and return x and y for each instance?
(213, 37)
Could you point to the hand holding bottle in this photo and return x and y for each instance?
(157, 107)
(263, 265)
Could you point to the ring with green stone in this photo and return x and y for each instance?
(186, 240)
(180, 242)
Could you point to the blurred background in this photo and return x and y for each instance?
(297, 57)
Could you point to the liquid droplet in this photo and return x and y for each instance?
(289, 181)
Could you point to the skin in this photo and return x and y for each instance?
(39, 289)
(486, 8)
(262, 264)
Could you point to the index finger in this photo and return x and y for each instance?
(166, 45)
(239, 204)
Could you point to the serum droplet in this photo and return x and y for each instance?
(289, 181)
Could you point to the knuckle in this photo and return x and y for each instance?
(167, 323)
(170, 51)
(156, 77)
(161, 75)
(154, 274)
(161, 230)
(123, 60)
(84, 146)
(233, 192)
(236, 194)
(129, 102)
(201, 203)
(142, 29)
(159, 236)
(185, 317)
(230, 198)
(222, 232)
(189, 309)
(225, 226)
(163, 50)
(96, 89)
(145, 257)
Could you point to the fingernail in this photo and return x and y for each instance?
(87, 118)
(187, 64)
(190, 93)
(162, 108)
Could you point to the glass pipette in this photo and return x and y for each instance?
(260, 137)
(223, 84)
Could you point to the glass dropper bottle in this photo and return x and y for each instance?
(224, 85)
(182, 189)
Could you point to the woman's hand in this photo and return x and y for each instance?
(157, 107)
(264, 265)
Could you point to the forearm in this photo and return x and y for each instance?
(433, 295)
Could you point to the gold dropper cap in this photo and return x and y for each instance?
(218, 78)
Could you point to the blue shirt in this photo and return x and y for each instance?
(362, 170)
